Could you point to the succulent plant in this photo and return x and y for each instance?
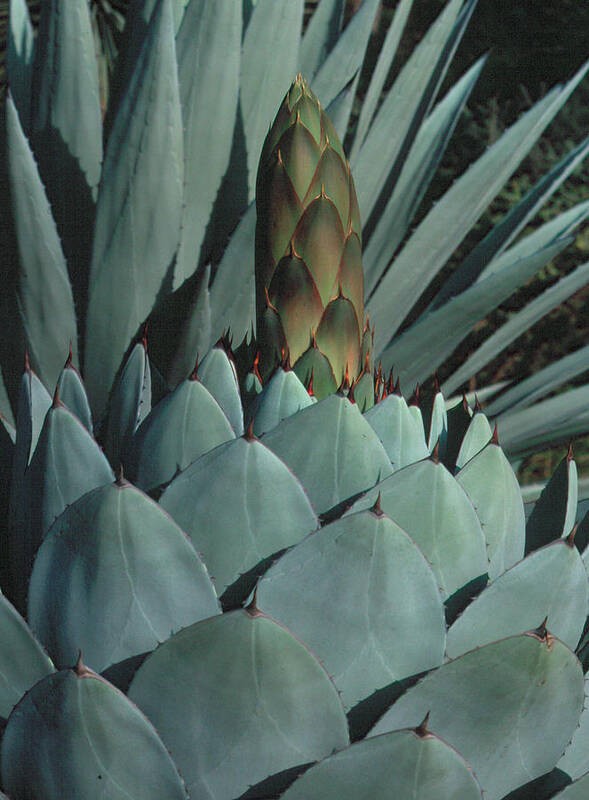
(276, 595)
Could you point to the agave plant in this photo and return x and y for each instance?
(275, 595)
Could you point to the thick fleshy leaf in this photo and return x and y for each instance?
(19, 58)
(274, 27)
(75, 735)
(451, 218)
(418, 169)
(114, 577)
(576, 791)
(239, 504)
(477, 436)
(73, 394)
(575, 759)
(45, 297)
(237, 699)
(491, 703)
(217, 372)
(345, 59)
(438, 425)
(376, 597)
(66, 126)
(208, 49)
(492, 487)
(397, 429)
(338, 338)
(282, 397)
(418, 351)
(505, 231)
(404, 764)
(321, 35)
(66, 464)
(23, 661)
(427, 502)
(129, 405)
(314, 365)
(139, 208)
(554, 513)
(551, 582)
(184, 425)
(517, 324)
(351, 460)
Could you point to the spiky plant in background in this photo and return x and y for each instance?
(341, 607)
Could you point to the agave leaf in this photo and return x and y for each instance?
(353, 462)
(395, 426)
(23, 661)
(371, 587)
(428, 503)
(141, 581)
(129, 405)
(526, 392)
(340, 108)
(85, 730)
(208, 53)
(345, 59)
(215, 697)
(575, 760)
(551, 582)
(229, 503)
(491, 703)
(321, 35)
(19, 58)
(274, 27)
(576, 791)
(418, 169)
(45, 298)
(514, 221)
(283, 396)
(438, 426)
(180, 428)
(492, 487)
(400, 764)
(396, 115)
(66, 128)
(218, 374)
(518, 324)
(451, 218)
(139, 208)
(476, 438)
(73, 394)
(557, 228)
(232, 295)
(554, 513)
(418, 351)
(379, 76)
(524, 429)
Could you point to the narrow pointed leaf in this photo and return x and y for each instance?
(418, 351)
(114, 577)
(208, 52)
(283, 396)
(73, 395)
(19, 58)
(274, 27)
(477, 436)
(246, 696)
(575, 760)
(518, 324)
(399, 432)
(217, 373)
(554, 512)
(490, 704)
(45, 297)
(321, 35)
(139, 207)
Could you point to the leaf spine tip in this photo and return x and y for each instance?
(377, 507)
(422, 730)
(310, 385)
(495, 437)
(570, 452)
(249, 435)
(436, 383)
(252, 607)
(194, 374)
(570, 539)
(56, 401)
(435, 456)
(70, 357)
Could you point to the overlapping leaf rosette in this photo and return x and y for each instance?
(309, 278)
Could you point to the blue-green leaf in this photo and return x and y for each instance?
(281, 397)
(72, 394)
(218, 374)
(398, 430)
(321, 35)
(19, 58)
(139, 209)
(555, 511)
(208, 50)
(45, 295)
